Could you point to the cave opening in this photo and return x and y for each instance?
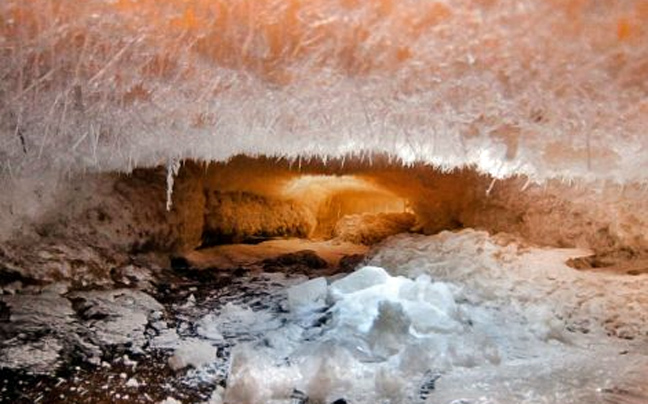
(260, 277)
(323, 201)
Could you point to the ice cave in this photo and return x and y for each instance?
(324, 201)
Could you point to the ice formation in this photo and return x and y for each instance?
(536, 281)
(458, 316)
(545, 88)
(196, 353)
(312, 292)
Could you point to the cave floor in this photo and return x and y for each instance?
(248, 255)
(132, 344)
(59, 345)
(511, 324)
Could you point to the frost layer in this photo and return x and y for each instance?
(546, 88)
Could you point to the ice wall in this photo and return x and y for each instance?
(544, 88)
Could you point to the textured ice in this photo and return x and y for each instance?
(309, 293)
(551, 89)
(196, 353)
(121, 315)
(361, 279)
(458, 317)
(536, 282)
(378, 327)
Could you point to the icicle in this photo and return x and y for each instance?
(526, 184)
(173, 167)
(490, 187)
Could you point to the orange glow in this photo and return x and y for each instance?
(268, 38)
(624, 29)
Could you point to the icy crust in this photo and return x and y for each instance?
(549, 89)
(497, 270)
(43, 330)
(469, 318)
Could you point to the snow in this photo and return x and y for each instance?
(192, 352)
(462, 312)
(458, 317)
(170, 400)
(537, 281)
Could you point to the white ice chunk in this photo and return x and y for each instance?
(254, 379)
(310, 293)
(390, 329)
(194, 353)
(170, 400)
(363, 278)
(208, 327)
(437, 294)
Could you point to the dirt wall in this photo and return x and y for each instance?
(84, 226)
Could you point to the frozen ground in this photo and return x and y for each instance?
(453, 318)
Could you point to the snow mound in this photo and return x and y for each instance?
(195, 353)
(500, 270)
(453, 315)
(375, 325)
